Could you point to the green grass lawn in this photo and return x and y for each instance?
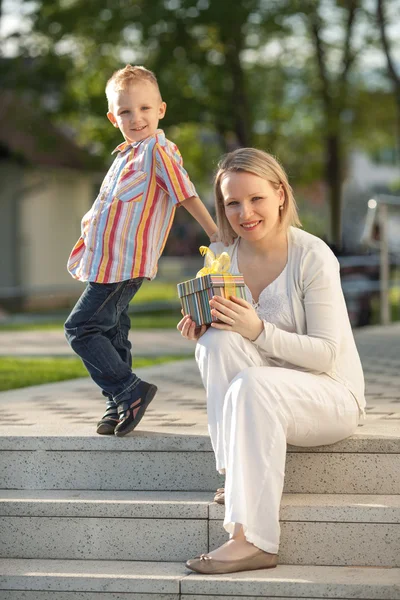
(23, 372)
(166, 319)
(151, 292)
(156, 291)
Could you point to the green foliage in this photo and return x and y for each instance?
(314, 223)
(394, 307)
(373, 117)
(232, 73)
(201, 151)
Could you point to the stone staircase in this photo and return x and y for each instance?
(93, 518)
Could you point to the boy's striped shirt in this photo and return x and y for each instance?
(125, 231)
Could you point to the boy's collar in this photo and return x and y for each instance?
(159, 134)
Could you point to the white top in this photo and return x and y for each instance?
(273, 303)
(272, 306)
(322, 339)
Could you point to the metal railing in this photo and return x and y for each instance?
(378, 217)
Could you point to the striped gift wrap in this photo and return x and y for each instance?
(195, 294)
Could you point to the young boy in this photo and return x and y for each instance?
(123, 236)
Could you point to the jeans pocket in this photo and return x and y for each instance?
(136, 282)
(131, 288)
(101, 296)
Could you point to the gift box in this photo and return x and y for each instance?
(195, 294)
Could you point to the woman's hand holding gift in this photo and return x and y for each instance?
(236, 315)
(189, 329)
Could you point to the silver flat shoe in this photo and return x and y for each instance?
(209, 566)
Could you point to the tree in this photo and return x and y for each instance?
(253, 72)
(203, 43)
(333, 91)
(393, 75)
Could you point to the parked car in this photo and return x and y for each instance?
(360, 275)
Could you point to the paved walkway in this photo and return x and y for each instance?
(145, 342)
(72, 408)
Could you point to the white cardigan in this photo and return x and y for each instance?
(323, 342)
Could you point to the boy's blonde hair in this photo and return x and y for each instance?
(121, 79)
(262, 164)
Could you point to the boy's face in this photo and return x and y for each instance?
(136, 110)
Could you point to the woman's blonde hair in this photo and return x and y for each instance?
(258, 162)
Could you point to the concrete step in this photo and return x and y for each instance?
(154, 526)
(362, 464)
(125, 580)
(331, 529)
(316, 529)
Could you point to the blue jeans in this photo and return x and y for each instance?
(97, 330)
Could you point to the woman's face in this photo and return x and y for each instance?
(251, 205)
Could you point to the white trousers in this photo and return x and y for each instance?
(254, 410)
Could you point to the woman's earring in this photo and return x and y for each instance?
(281, 207)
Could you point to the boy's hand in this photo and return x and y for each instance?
(215, 237)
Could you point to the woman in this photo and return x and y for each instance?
(279, 368)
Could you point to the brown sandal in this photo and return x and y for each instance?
(219, 497)
(209, 566)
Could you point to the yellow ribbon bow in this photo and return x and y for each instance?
(217, 265)
(214, 264)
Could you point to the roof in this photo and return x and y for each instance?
(28, 135)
